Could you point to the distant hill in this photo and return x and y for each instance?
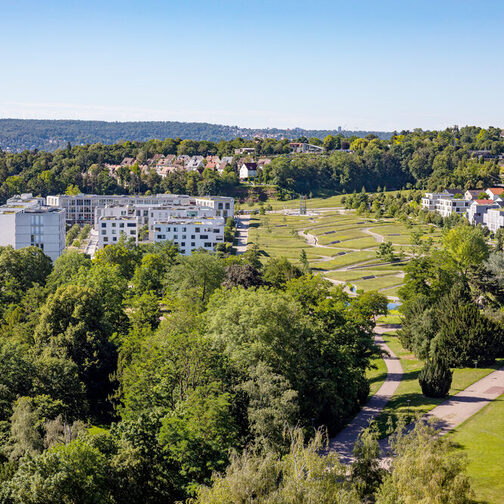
(20, 134)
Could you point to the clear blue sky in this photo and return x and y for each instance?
(359, 64)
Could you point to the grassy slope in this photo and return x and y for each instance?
(482, 439)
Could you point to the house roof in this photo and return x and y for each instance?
(485, 202)
(250, 166)
(496, 190)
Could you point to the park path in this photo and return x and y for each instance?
(242, 229)
(458, 408)
(344, 441)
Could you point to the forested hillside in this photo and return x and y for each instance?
(20, 134)
(469, 157)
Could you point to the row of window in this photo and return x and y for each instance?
(121, 224)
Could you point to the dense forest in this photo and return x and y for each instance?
(469, 157)
(19, 134)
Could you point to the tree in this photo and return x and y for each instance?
(306, 474)
(435, 378)
(303, 260)
(66, 473)
(278, 271)
(426, 468)
(466, 245)
(372, 304)
(366, 473)
(386, 251)
(199, 433)
(273, 407)
(242, 275)
(197, 276)
(72, 324)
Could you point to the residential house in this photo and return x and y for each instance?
(245, 150)
(248, 170)
(195, 163)
(111, 228)
(473, 194)
(495, 193)
(478, 208)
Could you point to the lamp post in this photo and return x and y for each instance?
(475, 368)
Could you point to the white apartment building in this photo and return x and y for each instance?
(494, 219)
(191, 234)
(111, 228)
(447, 206)
(223, 205)
(33, 225)
(81, 209)
(477, 210)
(430, 199)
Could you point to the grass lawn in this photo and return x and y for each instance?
(347, 259)
(482, 439)
(376, 376)
(393, 317)
(394, 291)
(377, 283)
(358, 243)
(409, 388)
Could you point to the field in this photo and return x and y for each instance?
(339, 244)
(482, 439)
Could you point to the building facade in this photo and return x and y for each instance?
(191, 234)
(33, 225)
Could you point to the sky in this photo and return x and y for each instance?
(362, 65)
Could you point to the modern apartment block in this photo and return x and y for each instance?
(191, 234)
(494, 219)
(448, 206)
(478, 209)
(81, 209)
(110, 229)
(430, 199)
(25, 222)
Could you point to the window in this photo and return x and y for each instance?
(182, 244)
(207, 245)
(204, 237)
(121, 225)
(103, 232)
(197, 230)
(114, 239)
(105, 240)
(193, 237)
(113, 224)
(193, 244)
(131, 224)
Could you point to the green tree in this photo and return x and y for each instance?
(435, 378)
(466, 245)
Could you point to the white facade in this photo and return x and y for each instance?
(111, 228)
(495, 193)
(494, 219)
(223, 205)
(248, 170)
(82, 209)
(477, 210)
(34, 225)
(430, 199)
(446, 207)
(191, 234)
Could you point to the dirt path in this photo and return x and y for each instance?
(344, 441)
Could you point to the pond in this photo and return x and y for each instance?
(393, 306)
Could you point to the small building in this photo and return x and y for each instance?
(305, 148)
(495, 193)
(195, 163)
(473, 194)
(248, 170)
(190, 234)
(477, 210)
(245, 150)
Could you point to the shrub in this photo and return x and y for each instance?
(435, 378)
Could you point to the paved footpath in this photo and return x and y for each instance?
(457, 409)
(344, 441)
(242, 227)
